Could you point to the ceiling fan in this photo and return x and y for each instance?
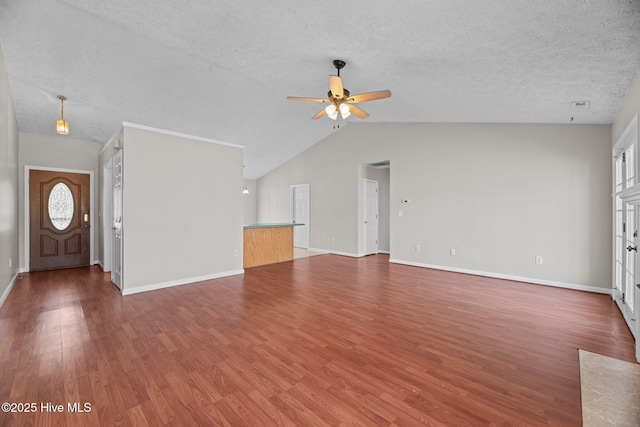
(341, 100)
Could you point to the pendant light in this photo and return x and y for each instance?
(62, 126)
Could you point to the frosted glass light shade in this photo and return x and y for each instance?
(62, 127)
(345, 111)
(332, 112)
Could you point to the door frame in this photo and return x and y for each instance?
(27, 189)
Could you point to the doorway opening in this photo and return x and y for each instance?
(374, 213)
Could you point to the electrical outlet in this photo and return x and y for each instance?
(539, 260)
(235, 252)
(10, 261)
(399, 213)
(417, 248)
(452, 251)
(333, 239)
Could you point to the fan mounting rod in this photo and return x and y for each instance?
(339, 64)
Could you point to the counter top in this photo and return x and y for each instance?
(271, 225)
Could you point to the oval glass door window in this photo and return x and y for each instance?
(60, 206)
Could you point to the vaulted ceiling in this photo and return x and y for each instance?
(223, 69)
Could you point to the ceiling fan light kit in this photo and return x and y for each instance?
(340, 99)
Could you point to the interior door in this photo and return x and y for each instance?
(625, 238)
(116, 236)
(58, 219)
(300, 214)
(370, 216)
(630, 265)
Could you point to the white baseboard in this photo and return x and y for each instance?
(185, 281)
(325, 251)
(99, 264)
(507, 277)
(5, 294)
(349, 254)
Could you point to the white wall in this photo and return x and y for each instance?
(629, 108)
(500, 194)
(63, 152)
(182, 209)
(8, 186)
(249, 206)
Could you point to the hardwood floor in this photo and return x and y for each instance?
(325, 340)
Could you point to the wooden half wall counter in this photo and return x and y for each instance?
(267, 243)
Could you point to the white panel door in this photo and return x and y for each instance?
(370, 216)
(107, 214)
(300, 215)
(625, 236)
(116, 270)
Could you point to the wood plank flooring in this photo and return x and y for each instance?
(320, 341)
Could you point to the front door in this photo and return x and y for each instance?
(58, 219)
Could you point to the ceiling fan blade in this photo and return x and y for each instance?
(358, 112)
(301, 98)
(335, 84)
(370, 96)
(320, 114)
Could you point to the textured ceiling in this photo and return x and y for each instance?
(223, 69)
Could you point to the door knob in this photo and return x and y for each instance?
(632, 248)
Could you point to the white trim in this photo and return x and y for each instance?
(507, 277)
(181, 135)
(384, 252)
(326, 251)
(113, 137)
(627, 137)
(185, 281)
(5, 294)
(27, 243)
(631, 195)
